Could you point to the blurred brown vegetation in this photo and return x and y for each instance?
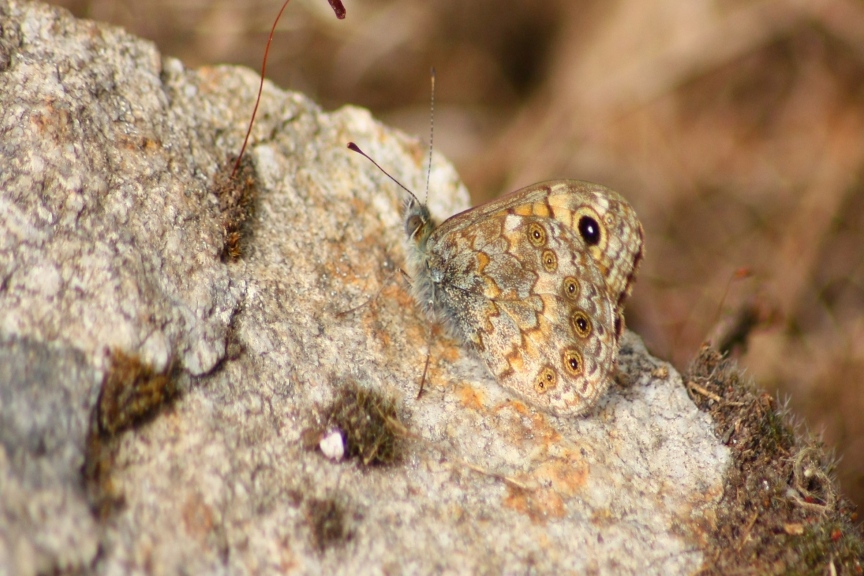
(735, 127)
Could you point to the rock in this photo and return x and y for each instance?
(172, 345)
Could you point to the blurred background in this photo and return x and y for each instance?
(735, 127)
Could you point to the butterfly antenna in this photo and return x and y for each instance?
(431, 130)
(352, 146)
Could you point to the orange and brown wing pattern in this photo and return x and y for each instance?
(535, 282)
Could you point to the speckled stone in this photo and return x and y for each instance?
(110, 238)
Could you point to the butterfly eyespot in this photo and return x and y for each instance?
(536, 235)
(581, 324)
(570, 288)
(609, 219)
(545, 380)
(572, 360)
(589, 229)
(550, 261)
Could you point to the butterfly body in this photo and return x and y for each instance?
(534, 282)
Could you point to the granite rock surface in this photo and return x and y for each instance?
(225, 345)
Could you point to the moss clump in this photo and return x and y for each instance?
(132, 393)
(781, 512)
(368, 422)
(237, 197)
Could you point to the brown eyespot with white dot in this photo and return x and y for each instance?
(550, 261)
(570, 288)
(545, 380)
(536, 235)
(580, 323)
(572, 361)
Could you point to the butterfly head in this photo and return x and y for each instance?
(418, 223)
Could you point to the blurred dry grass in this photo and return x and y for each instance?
(735, 127)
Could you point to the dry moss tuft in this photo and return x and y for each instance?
(368, 422)
(237, 197)
(327, 518)
(132, 393)
(781, 512)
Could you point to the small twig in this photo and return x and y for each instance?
(747, 530)
(704, 392)
(693, 387)
(506, 479)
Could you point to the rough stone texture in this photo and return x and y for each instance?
(110, 239)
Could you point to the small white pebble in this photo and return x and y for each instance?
(332, 445)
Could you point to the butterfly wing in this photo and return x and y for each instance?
(518, 280)
(618, 246)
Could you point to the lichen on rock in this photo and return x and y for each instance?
(114, 236)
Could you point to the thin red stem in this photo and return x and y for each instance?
(260, 89)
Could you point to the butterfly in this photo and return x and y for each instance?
(534, 283)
